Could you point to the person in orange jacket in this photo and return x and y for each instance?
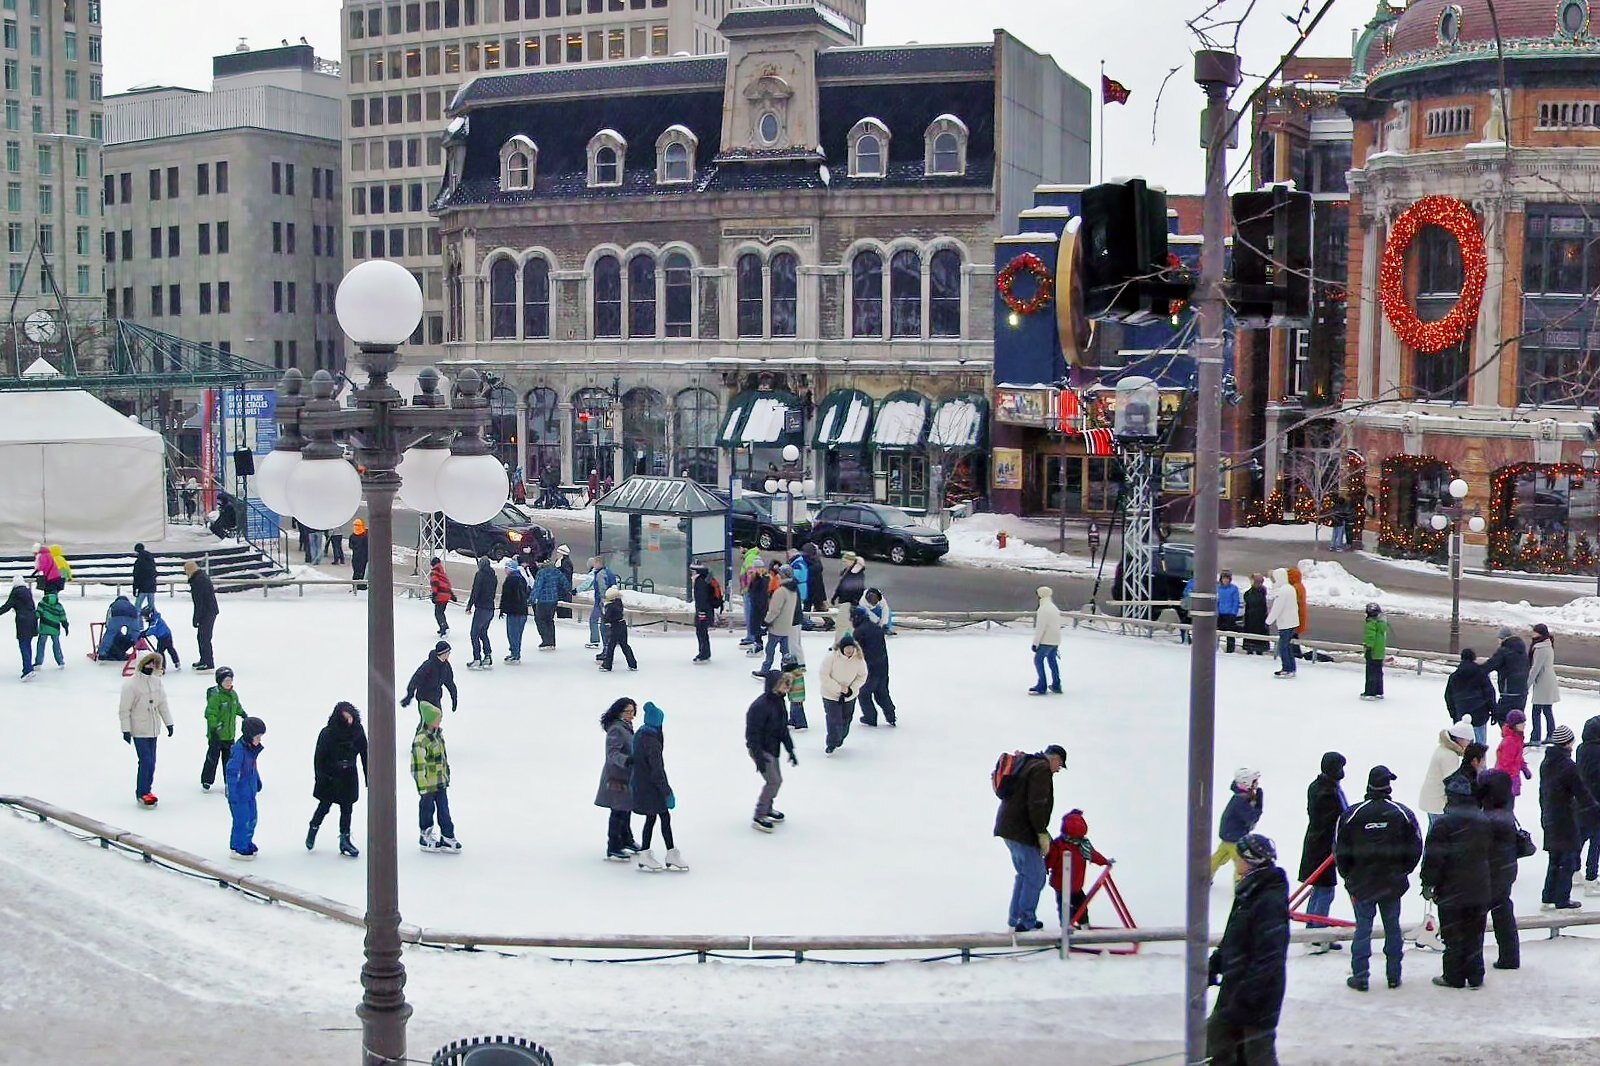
(442, 593)
(1073, 846)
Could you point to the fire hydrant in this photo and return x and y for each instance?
(1000, 538)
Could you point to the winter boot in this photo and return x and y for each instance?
(346, 848)
(311, 835)
(646, 862)
(675, 861)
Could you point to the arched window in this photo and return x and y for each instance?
(502, 432)
(679, 294)
(607, 154)
(694, 429)
(544, 437)
(945, 147)
(607, 297)
(675, 151)
(905, 294)
(946, 154)
(642, 295)
(868, 144)
(605, 167)
(517, 170)
(784, 311)
(747, 275)
(536, 298)
(644, 432)
(519, 163)
(591, 434)
(676, 165)
(944, 293)
(503, 300)
(869, 157)
(866, 295)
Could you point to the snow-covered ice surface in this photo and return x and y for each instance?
(973, 542)
(891, 835)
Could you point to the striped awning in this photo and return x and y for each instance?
(961, 422)
(843, 419)
(902, 421)
(758, 419)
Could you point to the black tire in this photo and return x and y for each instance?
(766, 540)
(497, 552)
(898, 555)
(829, 547)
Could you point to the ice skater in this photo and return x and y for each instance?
(433, 679)
(1073, 848)
(1046, 642)
(159, 634)
(142, 711)
(340, 746)
(616, 636)
(650, 794)
(244, 781)
(441, 592)
(843, 672)
(1239, 816)
(766, 734)
(52, 623)
(223, 711)
(613, 792)
(26, 615)
(1374, 651)
(430, 769)
(795, 671)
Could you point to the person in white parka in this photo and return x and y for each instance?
(142, 711)
(1445, 761)
(1283, 611)
(1544, 689)
(1046, 641)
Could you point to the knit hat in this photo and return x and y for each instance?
(848, 640)
(430, 714)
(1074, 825)
(1045, 592)
(1516, 718)
(1256, 850)
(1374, 610)
(223, 673)
(441, 647)
(563, 550)
(139, 547)
(435, 561)
(613, 593)
(1468, 655)
(253, 727)
(1561, 736)
(1378, 779)
(653, 715)
(1244, 777)
(1458, 785)
(1462, 730)
(1505, 631)
(1333, 765)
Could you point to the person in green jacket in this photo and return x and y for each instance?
(52, 623)
(430, 769)
(223, 713)
(1375, 642)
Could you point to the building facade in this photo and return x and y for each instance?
(1475, 210)
(222, 220)
(687, 264)
(405, 61)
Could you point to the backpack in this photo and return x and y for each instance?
(1005, 772)
(716, 593)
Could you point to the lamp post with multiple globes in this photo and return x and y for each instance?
(433, 456)
(790, 488)
(1451, 516)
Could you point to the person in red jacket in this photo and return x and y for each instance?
(1073, 846)
(441, 593)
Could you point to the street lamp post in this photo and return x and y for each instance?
(379, 305)
(1450, 516)
(1590, 459)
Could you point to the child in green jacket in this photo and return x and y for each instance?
(223, 713)
(52, 623)
(430, 769)
(795, 671)
(1375, 645)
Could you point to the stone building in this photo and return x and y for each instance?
(1474, 353)
(687, 264)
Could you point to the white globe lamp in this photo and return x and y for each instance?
(808, 487)
(272, 480)
(1439, 522)
(771, 486)
(379, 304)
(471, 488)
(790, 453)
(1458, 489)
(324, 493)
(419, 475)
(1476, 524)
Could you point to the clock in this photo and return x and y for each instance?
(42, 327)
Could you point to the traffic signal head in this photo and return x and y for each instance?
(1272, 258)
(1126, 276)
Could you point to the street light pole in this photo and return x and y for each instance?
(1450, 516)
(1590, 459)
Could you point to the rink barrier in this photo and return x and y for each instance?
(950, 945)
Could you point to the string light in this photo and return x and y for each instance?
(1536, 554)
(1408, 542)
(1291, 96)
(1456, 219)
(1028, 263)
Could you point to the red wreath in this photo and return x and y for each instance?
(1043, 282)
(1456, 219)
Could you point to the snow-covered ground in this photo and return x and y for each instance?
(973, 542)
(890, 835)
(1301, 533)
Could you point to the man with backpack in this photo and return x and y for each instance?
(1027, 799)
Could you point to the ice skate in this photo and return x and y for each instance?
(148, 800)
(346, 848)
(240, 856)
(449, 845)
(762, 824)
(429, 840)
(311, 836)
(675, 861)
(775, 816)
(646, 862)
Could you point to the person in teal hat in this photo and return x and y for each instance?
(650, 794)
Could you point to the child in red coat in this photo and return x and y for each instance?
(1073, 844)
(1509, 757)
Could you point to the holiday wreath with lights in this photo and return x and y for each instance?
(1456, 219)
(1044, 284)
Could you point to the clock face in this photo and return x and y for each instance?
(41, 327)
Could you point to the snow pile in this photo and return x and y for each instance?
(1304, 532)
(649, 601)
(973, 541)
(1329, 584)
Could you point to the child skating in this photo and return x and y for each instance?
(1238, 817)
(223, 711)
(430, 769)
(243, 781)
(1375, 651)
(615, 616)
(52, 623)
(795, 671)
(159, 634)
(1073, 847)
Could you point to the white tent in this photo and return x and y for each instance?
(73, 471)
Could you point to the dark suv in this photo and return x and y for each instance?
(511, 532)
(1170, 571)
(764, 522)
(873, 529)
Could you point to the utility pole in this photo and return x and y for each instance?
(1217, 73)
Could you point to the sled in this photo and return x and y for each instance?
(1118, 904)
(140, 647)
(1303, 893)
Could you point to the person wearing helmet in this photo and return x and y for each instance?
(1375, 649)
(223, 710)
(1251, 961)
(244, 781)
(1239, 816)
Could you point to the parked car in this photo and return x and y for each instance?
(764, 521)
(1170, 570)
(873, 529)
(511, 532)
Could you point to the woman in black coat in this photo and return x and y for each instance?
(650, 792)
(1255, 615)
(1325, 805)
(340, 744)
(20, 604)
(1494, 792)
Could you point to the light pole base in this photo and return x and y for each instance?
(383, 1034)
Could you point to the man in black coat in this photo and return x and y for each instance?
(358, 552)
(1494, 792)
(1455, 875)
(758, 593)
(1470, 694)
(705, 610)
(1509, 664)
(1026, 803)
(874, 649)
(432, 679)
(1251, 961)
(1377, 847)
(514, 608)
(144, 577)
(1588, 761)
(204, 598)
(480, 601)
(1564, 802)
(1325, 805)
(766, 734)
(816, 595)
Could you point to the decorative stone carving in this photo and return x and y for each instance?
(1397, 129)
(1494, 127)
(1548, 429)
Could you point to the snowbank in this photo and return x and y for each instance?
(1298, 534)
(973, 542)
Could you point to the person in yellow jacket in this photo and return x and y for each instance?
(430, 769)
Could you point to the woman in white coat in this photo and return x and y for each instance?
(844, 671)
(142, 711)
(1543, 688)
(1445, 761)
(1283, 611)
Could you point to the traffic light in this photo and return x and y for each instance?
(1126, 274)
(1272, 258)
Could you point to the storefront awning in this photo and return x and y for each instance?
(902, 421)
(843, 418)
(757, 419)
(961, 422)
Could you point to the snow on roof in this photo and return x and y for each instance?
(956, 425)
(900, 423)
(764, 424)
(845, 424)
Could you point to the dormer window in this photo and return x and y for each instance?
(945, 149)
(675, 152)
(519, 162)
(869, 149)
(608, 153)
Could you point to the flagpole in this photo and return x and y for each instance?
(1102, 121)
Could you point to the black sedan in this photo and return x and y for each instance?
(764, 522)
(873, 529)
(511, 532)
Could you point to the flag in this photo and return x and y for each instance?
(1097, 442)
(1113, 91)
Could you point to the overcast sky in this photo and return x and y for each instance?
(172, 41)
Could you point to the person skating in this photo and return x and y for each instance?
(1251, 961)
(795, 671)
(1229, 606)
(601, 579)
(874, 695)
(1239, 816)
(766, 734)
(1027, 799)
(243, 781)
(1046, 641)
(1325, 806)
(757, 595)
(1374, 651)
(1073, 850)
(430, 681)
(1544, 688)
(26, 616)
(1469, 694)
(1455, 875)
(1255, 616)
(1283, 611)
(121, 632)
(613, 792)
(616, 636)
(340, 746)
(802, 573)
(336, 545)
(1588, 763)
(706, 604)
(52, 623)
(204, 598)
(550, 588)
(430, 769)
(1376, 848)
(1509, 664)
(650, 794)
(782, 619)
(749, 562)
(843, 673)
(47, 569)
(1446, 760)
(852, 583)
(879, 611)
(816, 591)
(358, 552)
(480, 605)
(223, 712)
(514, 595)
(1505, 850)
(1511, 756)
(441, 592)
(142, 711)
(144, 576)
(1564, 803)
(159, 634)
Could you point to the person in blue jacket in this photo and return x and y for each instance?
(801, 573)
(1230, 605)
(1186, 635)
(1239, 816)
(550, 587)
(243, 781)
(122, 630)
(600, 581)
(159, 633)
